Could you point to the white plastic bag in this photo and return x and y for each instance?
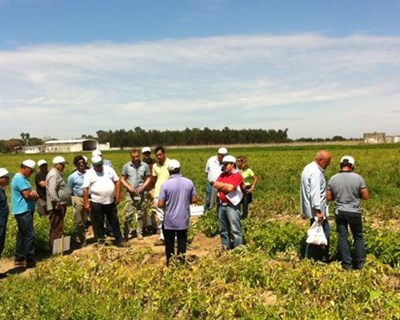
(316, 235)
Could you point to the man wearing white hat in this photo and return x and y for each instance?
(58, 197)
(23, 206)
(176, 196)
(106, 162)
(101, 195)
(4, 181)
(213, 170)
(347, 189)
(230, 186)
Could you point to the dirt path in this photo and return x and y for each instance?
(200, 246)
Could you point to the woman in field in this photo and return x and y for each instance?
(250, 180)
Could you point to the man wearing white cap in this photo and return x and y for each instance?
(23, 206)
(106, 162)
(213, 170)
(230, 186)
(101, 195)
(4, 210)
(58, 197)
(347, 189)
(176, 196)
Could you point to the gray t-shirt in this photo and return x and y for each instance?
(346, 189)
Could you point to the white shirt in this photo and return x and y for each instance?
(213, 169)
(313, 190)
(101, 184)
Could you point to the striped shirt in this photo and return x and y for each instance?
(346, 190)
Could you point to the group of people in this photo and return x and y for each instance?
(95, 192)
(346, 189)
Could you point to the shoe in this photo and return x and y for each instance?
(20, 263)
(3, 275)
(122, 244)
(140, 237)
(31, 264)
(159, 242)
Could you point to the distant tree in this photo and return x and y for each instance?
(338, 138)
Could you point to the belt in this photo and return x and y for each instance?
(228, 204)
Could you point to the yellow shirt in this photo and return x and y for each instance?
(162, 174)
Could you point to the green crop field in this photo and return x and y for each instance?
(266, 279)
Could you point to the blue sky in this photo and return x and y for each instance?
(319, 68)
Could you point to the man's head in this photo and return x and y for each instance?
(27, 167)
(59, 163)
(4, 177)
(135, 156)
(229, 163)
(174, 166)
(347, 162)
(80, 163)
(160, 154)
(96, 152)
(43, 166)
(323, 158)
(146, 152)
(97, 162)
(221, 153)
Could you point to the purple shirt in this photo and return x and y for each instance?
(177, 192)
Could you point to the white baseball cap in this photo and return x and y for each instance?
(222, 150)
(146, 149)
(41, 162)
(96, 152)
(229, 159)
(59, 159)
(173, 165)
(348, 159)
(29, 163)
(4, 173)
(97, 160)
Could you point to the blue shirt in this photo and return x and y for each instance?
(18, 203)
(177, 192)
(75, 183)
(135, 175)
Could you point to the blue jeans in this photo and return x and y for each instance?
(354, 221)
(208, 196)
(230, 226)
(109, 211)
(316, 252)
(25, 248)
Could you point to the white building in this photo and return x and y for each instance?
(77, 145)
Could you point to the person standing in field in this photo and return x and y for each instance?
(135, 177)
(58, 197)
(4, 210)
(23, 207)
(250, 180)
(176, 196)
(230, 186)
(101, 195)
(146, 158)
(347, 189)
(40, 181)
(160, 174)
(213, 170)
(313, 201)
(75, 184)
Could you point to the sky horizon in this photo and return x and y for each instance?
(319, 69)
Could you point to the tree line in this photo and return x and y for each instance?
(139, 137)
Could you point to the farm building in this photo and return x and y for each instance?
(380, 137)
(78, 145)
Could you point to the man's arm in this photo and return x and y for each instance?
(117, 191)
(161, 203)
(125, 182)
(146, 182)
(329, 195)
(194, 199)
(86, 199)
(224, 187)
(30, 195)
(364, 193)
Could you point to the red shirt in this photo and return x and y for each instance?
(234, 179)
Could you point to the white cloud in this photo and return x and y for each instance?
(268, 81)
